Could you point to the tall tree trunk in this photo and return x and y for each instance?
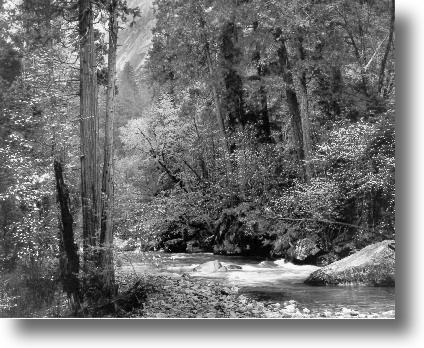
(216, 99)
(263, 125)
(291, 96)
(212, 77)
(387, 51)
(69, 260)
(106, 226)
(213, 82)
(302, 92)
(233, 95)
(88, 130)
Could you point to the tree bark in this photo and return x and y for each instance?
(262, 124)
(88, 130)
(69, 259)
(292, 100)
(107, 194)
(302, 92)
(211, 72)
(233, 94)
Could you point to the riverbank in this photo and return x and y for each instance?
(184, 297)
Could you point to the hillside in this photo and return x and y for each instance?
(134, 41)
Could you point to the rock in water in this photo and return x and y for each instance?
(303, 250)
(374, 265)
(230, 266)
(210, 267)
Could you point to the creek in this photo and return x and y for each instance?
(270, 281)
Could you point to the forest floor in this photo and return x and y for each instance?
(184, 297)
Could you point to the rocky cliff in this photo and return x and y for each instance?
(134, 40)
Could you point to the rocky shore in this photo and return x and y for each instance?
(185, 297)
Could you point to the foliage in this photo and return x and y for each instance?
(178, 166)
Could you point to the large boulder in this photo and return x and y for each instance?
(374, 265)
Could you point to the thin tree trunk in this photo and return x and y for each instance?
(265, 126)
(213, 83)
(216, 99)
(356, 51)
(212, 78)
(88, 130)
(106, 226)
(388, 47)
(69, 260)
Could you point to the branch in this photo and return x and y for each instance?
(375, 53)
(192, 169)
(322, 220)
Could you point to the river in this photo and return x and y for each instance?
(270, 281)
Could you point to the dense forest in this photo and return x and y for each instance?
(254, 128)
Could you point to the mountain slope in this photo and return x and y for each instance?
(135, 41)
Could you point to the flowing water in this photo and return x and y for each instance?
(272, 281)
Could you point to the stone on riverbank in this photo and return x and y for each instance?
(374, 265)
(186, 297)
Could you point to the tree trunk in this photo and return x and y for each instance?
(292, 101)
(213, 82)
(88, 131)
(296, 123)
(69, 260)
(263, 125)
(217, 102)
(302, 92)
(233, 95)
(106, 230)
(388, 47)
